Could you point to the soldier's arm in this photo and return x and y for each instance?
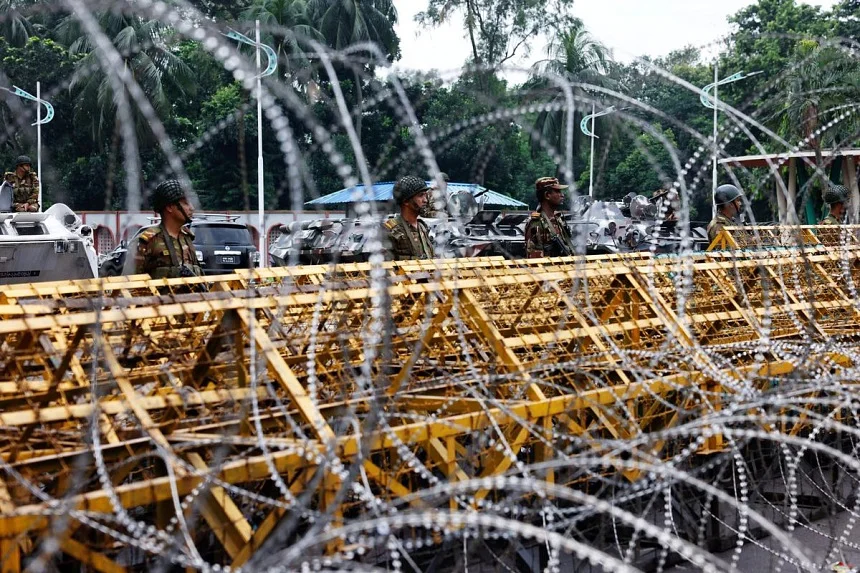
(33, 199)
(387, 246)
(534, 249)
(139, 251)
(424, 228)
(714, 230)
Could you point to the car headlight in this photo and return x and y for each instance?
(199, 256)
(255, 257)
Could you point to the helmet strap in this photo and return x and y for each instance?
(182, 210)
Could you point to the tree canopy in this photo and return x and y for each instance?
(479, 128)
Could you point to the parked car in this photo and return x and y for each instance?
(222, 245)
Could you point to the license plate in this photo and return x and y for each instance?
(228, 260)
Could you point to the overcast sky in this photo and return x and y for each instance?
(630, 27)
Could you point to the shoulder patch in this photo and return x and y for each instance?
(535, 215)
(390, 224)
(147, 234)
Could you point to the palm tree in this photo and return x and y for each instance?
(344, 23)
(575, 56)
(15, 26)
(821, 82)
(159, 72)
(287, 24)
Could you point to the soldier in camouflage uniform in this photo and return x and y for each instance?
(406, 236)
(836, 197)
(730, 204)
(546, 233)
(25, 186)
(167, 250)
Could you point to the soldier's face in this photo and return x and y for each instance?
(555, 197)
(739, 206)
(175, 211)
(187, 207)
(25, 168)
(419, 201)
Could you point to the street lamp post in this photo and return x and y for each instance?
(272, 65)
(589, 132)
(712, 102)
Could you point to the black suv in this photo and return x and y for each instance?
(222, 246)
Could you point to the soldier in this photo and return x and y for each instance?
(406, 236)
(730, 204)
(546, 233)
(25, 186)
(167, 250)
(836, 197)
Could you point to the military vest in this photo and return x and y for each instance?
(548, 236)
(407, 242)
(161, 256)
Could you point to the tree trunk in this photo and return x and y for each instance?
(243, 162)
(781, 200)
(359, 96)
(791, 203)
(849, 178)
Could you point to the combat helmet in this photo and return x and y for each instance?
(726, 194)
(408, 187)
(835, 194)
(23, 160)
(167, 193)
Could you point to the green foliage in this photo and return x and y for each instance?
(346, 22)
(577, 57)
(287, 26)
(493, 152)
(647, 167)
(212, 122)
(146, 54)
(500, 30)
(15, 24)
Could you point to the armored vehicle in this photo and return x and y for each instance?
(50, 246)
(636, 223)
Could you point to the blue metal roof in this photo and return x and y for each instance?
(382, 192)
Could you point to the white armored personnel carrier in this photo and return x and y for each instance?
(50, 246)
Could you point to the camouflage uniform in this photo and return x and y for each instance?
(547, 237)
(25, 191)
(152, 255)
(405, 241)
(829, 220)
(430, 211)
(716, 226)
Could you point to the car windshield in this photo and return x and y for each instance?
(222, 235)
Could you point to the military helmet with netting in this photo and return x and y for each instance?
(835, 194)
(408, 187)
(167, 193)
